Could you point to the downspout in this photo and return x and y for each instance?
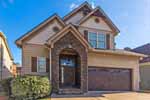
(50, 60)
(50, 66)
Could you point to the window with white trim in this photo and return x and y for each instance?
(41, 64)
(97, 40)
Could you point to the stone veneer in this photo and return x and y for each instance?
(69, 41)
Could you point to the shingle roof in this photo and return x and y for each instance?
(144, 49)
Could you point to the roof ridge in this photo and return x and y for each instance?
(142, 46)
(76, 9)
(104, 14)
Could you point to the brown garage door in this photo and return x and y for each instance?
(109, 79)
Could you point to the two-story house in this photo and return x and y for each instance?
(6, 58)
(78, 53)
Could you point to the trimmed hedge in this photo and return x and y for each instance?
(30, 87)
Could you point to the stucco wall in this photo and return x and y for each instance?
(44, 33)
(145, 77)
(102, 25)
(116, 61)
(29, 51)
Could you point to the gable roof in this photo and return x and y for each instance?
(5, 41)
(85, 4)
(99, 12)
(73, 30)
(51, 18)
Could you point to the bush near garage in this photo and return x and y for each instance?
(30, 87)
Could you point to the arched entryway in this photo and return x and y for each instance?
(69, 69)
(69, 45)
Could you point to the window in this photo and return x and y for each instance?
(97, 40)
(41, 64)
(101, 41)
(93, 39)
(70, 62)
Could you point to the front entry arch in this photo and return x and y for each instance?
(70, 44)
(69, 69)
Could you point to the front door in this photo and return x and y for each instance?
(67, 71)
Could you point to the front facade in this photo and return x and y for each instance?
(78, 53)
(6, 59)
(144, 66)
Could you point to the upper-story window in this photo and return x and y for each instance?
(97, 40)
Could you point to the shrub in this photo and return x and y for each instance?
(30, 87)
(5, 83)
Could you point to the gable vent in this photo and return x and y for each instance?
(56, 29)
(97, 20)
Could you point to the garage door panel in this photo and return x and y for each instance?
(109, 79)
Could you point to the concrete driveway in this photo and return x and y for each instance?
(108, 96)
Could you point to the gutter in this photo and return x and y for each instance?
(118, 52)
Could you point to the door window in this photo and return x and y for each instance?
(67, 61)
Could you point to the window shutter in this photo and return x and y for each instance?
(34, 64)
(86, 34)
(108, 41)
(47, 64)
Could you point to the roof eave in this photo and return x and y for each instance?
(18, 42)
(115, 28)
(117, 53)
(5, 41)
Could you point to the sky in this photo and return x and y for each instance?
(132, 17)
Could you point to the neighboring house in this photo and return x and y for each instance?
(16, 69)
(6, 59)
(144, 66)
(78, 53)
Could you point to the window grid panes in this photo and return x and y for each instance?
(97, 40)
(41, 62)
(93, 39)
(101, 41)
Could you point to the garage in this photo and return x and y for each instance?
(109, 79)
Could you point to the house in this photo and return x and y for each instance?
(16, 69)
(78, 53)
(144, 66)
(6, 58)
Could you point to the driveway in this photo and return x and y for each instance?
(108, 96)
